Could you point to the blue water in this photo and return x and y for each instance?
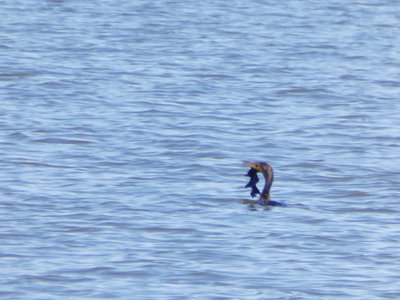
(123, 130)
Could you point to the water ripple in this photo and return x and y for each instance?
(124, 128)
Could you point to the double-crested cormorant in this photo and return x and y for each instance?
(268, 172)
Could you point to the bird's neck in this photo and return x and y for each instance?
(269, 178)
(265, 197)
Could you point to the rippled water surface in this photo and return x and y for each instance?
(123, 130)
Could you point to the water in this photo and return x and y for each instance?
(124, 125)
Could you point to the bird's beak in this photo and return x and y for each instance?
(255, 166)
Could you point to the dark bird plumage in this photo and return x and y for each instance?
(268, 174)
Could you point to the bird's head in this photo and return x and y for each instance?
(258, 166)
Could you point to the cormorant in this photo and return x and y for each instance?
(268, 172)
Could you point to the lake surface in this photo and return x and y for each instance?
(123, 130)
